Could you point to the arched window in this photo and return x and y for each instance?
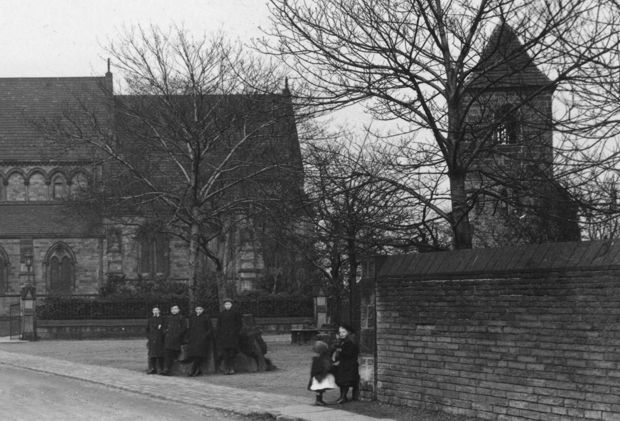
(153, 254)
(59, 187)
(3, 184)
(507, 127)
(4, 271)
(79, 185)
(16, 188)
(37, 190)
(60, 262)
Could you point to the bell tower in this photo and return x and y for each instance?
(509, 126)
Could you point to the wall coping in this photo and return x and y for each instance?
(476, 263)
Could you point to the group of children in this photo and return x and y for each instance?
(332, 367)
(335, 366)
(166, 336)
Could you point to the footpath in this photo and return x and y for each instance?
(182, 390)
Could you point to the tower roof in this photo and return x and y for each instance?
(505, 63)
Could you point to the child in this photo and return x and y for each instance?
(320, 377)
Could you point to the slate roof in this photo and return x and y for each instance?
(24, 101)
(485, 262)
(505, 63)
(44, 219)
(267, 118)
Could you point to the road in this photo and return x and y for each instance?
(33, 396)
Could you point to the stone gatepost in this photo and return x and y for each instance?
(28, 313)
(368, 329)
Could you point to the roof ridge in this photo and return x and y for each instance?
(31, 78)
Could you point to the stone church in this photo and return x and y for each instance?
(515, 196)
(48, 241)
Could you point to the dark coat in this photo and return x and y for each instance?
(229, 326)
(321, 367)
(155, 337)
(347, 371)
(176, 326)
(199, 335)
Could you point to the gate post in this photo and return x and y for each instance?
(320, 309)
(28, 313)
(368, 329)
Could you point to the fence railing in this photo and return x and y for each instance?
(94, 307)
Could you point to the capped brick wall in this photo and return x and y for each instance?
(516, 333)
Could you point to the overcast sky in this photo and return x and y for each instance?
(42, 38)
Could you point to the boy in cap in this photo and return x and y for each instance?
(229, 326)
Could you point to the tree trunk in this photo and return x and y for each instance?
(353, 293)
(193, 258)
(460, 214)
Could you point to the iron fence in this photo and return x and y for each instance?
(94, 307)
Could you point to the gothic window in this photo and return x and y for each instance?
(16, 188)
(153, 254)
(4, 271)
(60, 264)
(59, 187)
(37, 190)
(79, 184)
(506, 125)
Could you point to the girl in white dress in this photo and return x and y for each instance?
(321, 378)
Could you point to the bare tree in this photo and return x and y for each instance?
(430, 63)
(601, 218)
(195, 137)
(350, 213)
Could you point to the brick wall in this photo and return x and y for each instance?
(522, 340)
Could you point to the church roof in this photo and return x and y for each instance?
(44, 219)
(505, 63)
(267, 119)
(27, 102)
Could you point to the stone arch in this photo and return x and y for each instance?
(4, 270)
(59, 265)
(78, 172)
(3, 183)
(78, 182)
(56, 171)
(36, 170)
(37, 185)
(59, 185)
(16, 185)
(15, 171)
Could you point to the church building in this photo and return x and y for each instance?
(49, 241)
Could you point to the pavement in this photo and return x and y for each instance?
(252, 404)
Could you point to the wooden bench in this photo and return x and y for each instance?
(303, 335)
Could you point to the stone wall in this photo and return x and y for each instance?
(515, 333)
(88, 264)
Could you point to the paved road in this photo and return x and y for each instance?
(34, 396)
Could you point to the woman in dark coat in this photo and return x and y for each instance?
(346, 366)
(155, 342)
(198, 339)
(176, 327)
(229, 326)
